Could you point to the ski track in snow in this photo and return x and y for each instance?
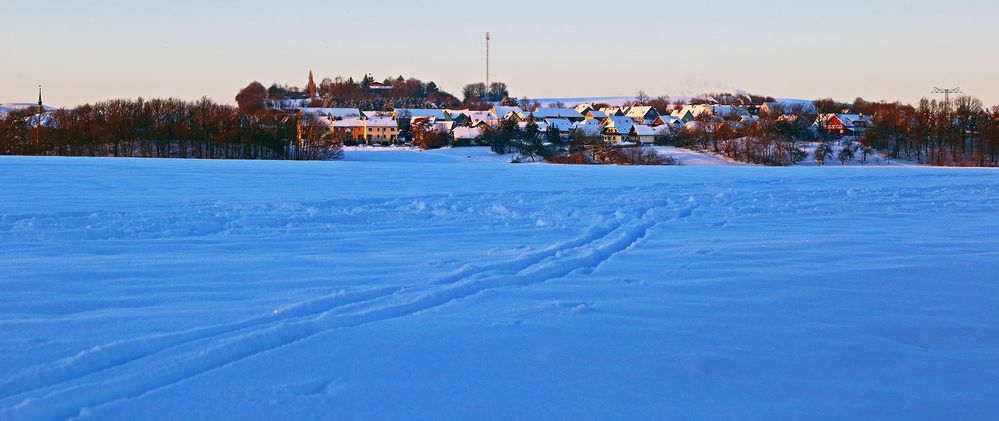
(63, 389)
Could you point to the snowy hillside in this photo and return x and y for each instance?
(366, 289)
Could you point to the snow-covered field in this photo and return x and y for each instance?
(482, 155)
(449, 286)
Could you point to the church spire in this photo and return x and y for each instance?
(312, 86)
(38, 119)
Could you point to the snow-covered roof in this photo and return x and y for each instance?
(855, 120)
(667, 120)
(693, 110)
(372, 122)
(377, 114)
(503, 112)
(562, 124)
(335, 113)
(642, 130)
(613, 110)
(542, 126)
(457, 113)
(22, 106)
(543, 113)
(482, 115)
(597, 114)
(639, 112)
(422, 112)
(620, 124)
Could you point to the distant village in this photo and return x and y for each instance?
(630, 125)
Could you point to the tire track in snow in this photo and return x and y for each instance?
(202, 350)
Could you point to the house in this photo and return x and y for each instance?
(668, 120)
(503, 113)
(617, 129)
(643, 134)
(845, 124)
(460, 117)
(483, 118)
(467, 133)
(642, 114)
(368, 131)
(566, 113)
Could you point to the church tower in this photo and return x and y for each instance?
(38, 118)
(312, 86)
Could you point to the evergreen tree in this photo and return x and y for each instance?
(823, 152)
(846, 154)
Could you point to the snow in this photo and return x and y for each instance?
(8, 107)
(449, 284)
(695, 158)
(466, 155)
(873, 159)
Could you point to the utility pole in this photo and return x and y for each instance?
(947, 93)
(488, 39)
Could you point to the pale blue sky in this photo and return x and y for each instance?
(888, 49)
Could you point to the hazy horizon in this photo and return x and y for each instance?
(893, 50)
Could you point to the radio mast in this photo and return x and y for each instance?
(488, 38)
(947, 93)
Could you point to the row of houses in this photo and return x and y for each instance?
(616, 125)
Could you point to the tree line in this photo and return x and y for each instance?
(167, 128)
(365, 94)
(960, 133)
